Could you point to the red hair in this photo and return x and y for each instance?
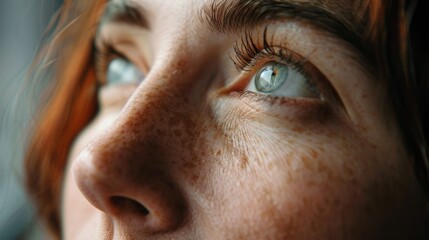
(70, 105)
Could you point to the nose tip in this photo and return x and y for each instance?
(126, 189)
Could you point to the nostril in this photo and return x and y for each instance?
(127, 205)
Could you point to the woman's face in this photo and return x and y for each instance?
(248, 120)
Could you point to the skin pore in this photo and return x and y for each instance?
(195, 151)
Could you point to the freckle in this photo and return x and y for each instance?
(177, 133)
(337, 201)
(298, 129)
(314, 154)
(182, 63)
(304, 159)
(354, 182)
(322, 167)
(244, 162)
(173, 121)
(349, 171)
(189, 146)
(189, 165)
(160, 132)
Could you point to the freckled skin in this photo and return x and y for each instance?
(178, 160)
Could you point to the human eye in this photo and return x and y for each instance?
(274, 74)
(113, 68)
(121, 71)
(118, 75)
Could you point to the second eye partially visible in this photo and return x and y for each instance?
(122, 71)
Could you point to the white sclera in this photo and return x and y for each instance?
(121, 71)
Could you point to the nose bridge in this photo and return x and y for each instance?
(173, 92)
(148, 117)
(164, 95)
(140, 138)
(127, 172)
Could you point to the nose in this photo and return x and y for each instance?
(126, 173)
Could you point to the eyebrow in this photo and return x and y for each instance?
(124, 11)
(231, 16)
(234, 15)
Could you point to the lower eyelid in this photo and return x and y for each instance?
(264, 108)
(275, 100)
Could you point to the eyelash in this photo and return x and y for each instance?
(101, 60)
(102, 57)
(247, 53)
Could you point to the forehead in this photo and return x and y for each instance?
(349, 9)
(353, 14)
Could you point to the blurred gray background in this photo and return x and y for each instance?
(22, 24)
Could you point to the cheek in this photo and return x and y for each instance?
(296, 180)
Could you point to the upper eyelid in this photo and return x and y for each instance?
(339, 46)
(247, 48)
(127, 12)
(126, 44)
